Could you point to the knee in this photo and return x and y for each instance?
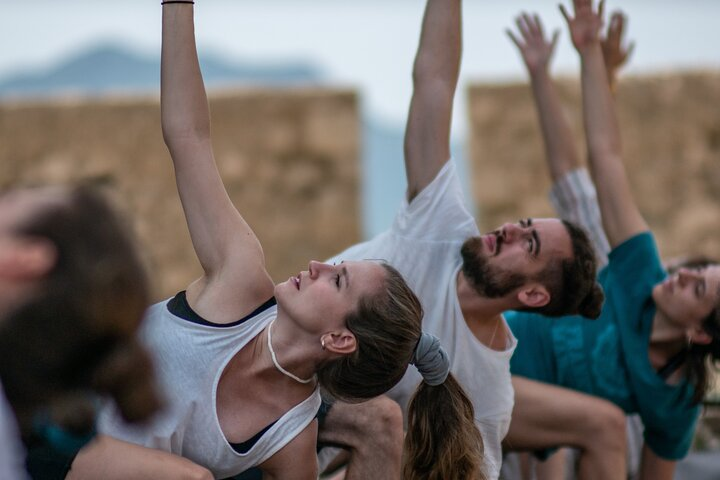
(385, 420)
(391, 418)
(607, 426)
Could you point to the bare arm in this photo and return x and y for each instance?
(536, 52)
(111, 459)
(653, 467)
(621, 216)
(435, 77)
(226, 246)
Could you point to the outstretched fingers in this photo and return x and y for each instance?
(514, 39)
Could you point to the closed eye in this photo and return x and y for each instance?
(337, 281)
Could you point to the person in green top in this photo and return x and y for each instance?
(648, 351)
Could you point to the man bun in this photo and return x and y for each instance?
(591, 305)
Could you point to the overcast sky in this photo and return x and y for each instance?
(368, 44)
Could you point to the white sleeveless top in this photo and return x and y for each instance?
(189, 359)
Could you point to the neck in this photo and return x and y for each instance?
(294, 358)
(483, 315)
(666, 339)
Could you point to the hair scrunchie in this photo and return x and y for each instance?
(431, 360)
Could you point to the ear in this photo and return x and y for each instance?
(534, 295)
(699, 336)
(26, 259)
(341, 342)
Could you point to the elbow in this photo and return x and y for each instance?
(602, 151)
(197, 473)
(179, 132)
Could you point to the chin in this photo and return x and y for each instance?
(657, 293)
(280, 292)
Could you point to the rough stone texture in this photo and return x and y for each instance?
(671, 141)
(289, 160)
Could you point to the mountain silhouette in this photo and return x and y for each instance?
(112, 68)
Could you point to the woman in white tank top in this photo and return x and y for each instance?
(245, 392)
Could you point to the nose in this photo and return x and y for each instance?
(511, 232)
(316, 268)
(684, 276)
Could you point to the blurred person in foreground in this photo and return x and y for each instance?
(72, 293)
(649, 351)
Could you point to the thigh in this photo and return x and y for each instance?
(547, 416)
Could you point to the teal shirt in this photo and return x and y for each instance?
(608, 357)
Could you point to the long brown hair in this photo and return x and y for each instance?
(442, 442)
(77, 332)
(387, 326)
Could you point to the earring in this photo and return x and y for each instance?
(322, 343)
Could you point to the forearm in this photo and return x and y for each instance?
(653, 467)
(620, 214)
(183, 101)
(111, 459)
(438, 56)
(435, 77)
(601, 125)
(560, 151)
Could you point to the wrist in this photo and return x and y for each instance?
(539, 74)
(590, 49)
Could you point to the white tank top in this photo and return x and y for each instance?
(189, 359)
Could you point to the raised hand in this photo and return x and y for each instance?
(614, 52)
(535, 49)
(585, 27)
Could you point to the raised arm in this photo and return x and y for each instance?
(227, 248)
(435, 77)
(536, 52)
(621, 216)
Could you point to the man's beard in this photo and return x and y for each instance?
(487, 280)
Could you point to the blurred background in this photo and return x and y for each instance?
(86, 47)
(309, 101)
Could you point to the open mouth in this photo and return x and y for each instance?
(296, 281)
(491, 243)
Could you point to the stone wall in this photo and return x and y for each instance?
(671, 143)
(289, 160)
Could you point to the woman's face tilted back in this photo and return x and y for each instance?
(689, 296)
(321, 297)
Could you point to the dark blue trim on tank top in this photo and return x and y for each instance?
(180, 307)
(245, 446)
